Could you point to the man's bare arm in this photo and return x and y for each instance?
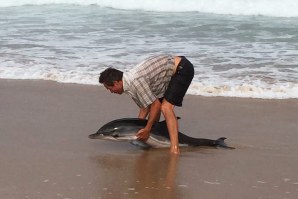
(154, 115)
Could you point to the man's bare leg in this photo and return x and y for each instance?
(172, 123)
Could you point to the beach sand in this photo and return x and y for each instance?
(46, 152)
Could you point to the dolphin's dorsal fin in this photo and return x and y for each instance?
(163, 124)
(164, 121)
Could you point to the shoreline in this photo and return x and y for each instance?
(188, 94)
(46, 153)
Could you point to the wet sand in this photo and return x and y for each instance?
(46, 153)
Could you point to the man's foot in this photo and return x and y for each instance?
(174, 150)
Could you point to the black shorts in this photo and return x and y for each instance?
(179, 82)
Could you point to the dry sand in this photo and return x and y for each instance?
(46, 153)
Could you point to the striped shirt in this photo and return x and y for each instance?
(149, 80)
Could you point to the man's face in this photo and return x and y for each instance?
(116, 88)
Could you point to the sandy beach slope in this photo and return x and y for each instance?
(45, 151)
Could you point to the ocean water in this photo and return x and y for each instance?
(240, 48)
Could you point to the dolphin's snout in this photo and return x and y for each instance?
(95, 136)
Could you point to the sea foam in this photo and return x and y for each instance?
(237, 56)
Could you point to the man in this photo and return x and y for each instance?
(157, 84)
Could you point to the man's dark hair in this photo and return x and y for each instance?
(109, 75)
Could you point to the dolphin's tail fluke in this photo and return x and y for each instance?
(220, 142)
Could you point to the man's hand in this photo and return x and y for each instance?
(143, 134)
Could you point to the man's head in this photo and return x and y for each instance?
(111, 78)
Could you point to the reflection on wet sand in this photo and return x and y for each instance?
(142, 175)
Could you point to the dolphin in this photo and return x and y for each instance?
(125, 129)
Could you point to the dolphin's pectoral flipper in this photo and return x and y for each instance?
(140, 144)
